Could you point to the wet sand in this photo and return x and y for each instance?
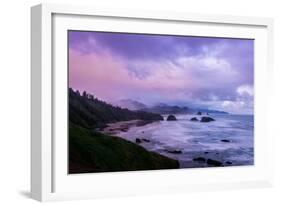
(123, 126)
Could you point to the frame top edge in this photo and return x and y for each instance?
(56, 8)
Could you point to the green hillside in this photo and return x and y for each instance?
(92, 151)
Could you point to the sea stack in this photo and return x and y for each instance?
(171, 118)
(207, 119)
(194, 119)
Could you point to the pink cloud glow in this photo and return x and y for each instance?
(108, 78)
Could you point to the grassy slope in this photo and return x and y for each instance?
(90, 151)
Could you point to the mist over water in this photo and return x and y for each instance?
(198, 139)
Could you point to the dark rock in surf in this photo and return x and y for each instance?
(171, 118)
(207, 119)
(199, 159)
(145, 140)
(138, 140)
(199, 113)
(124, 129)
(174, 151)
(194, 119)
(214, 162)
(225, 140)
(228, 163)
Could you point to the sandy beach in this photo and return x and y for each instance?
(123, 126)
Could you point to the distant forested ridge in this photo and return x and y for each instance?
(166, 109)
(163, 108)
(87, 111)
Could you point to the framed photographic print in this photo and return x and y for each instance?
(133, 102)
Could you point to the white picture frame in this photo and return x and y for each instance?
(49, 179)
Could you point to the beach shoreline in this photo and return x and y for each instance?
(178, 140)
(123, 126)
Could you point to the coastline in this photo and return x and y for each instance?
(100, 142)
(197, 153)
(123, 126)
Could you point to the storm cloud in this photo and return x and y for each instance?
(215, 73)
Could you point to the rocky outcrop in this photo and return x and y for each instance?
(199, 113)
(225, 140)
(207, 119)
(171, 118)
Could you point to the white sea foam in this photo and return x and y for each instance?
(195, 138)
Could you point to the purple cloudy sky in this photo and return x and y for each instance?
(214, 73)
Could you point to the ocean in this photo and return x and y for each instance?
(228, 140)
